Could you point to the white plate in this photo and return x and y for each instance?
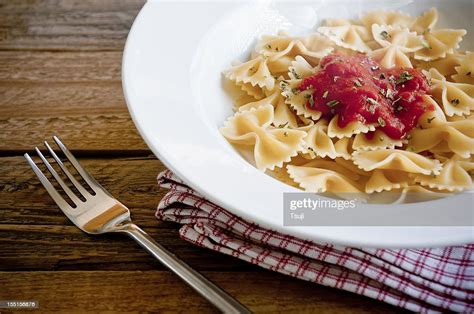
(172, 67)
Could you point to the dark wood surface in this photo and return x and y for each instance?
(60, 74)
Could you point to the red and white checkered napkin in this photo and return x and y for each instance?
(422, 280)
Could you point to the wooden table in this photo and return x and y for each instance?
(60, 74)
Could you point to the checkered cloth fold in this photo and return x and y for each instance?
(420, 280)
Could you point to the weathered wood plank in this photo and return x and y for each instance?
(159, 291)
(66, 25)
(52, 247)
(23, 200)
(34, 66)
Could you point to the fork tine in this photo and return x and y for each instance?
(76, 184)
(56, 176)
(48, 186)
(83, 172)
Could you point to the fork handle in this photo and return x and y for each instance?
(215, 295)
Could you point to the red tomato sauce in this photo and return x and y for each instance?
(358, 88)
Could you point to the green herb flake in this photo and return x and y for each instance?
(285, 134)
(269, 46)
(381, 138)
(468, 74)
(455, 101)
(282, 126)
(325, 94)
(404, 77)
(311, 100)
(381, 121)
(372, 101)
(372, 109)
(332, 103)
(357, 83)
(307, 96)
(296, 75)
(426, 44)
(385, 35)
(295, 90)
(382, 76)
(431, 119)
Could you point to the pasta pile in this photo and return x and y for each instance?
(297, 146)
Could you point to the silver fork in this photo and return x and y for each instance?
(102, 213)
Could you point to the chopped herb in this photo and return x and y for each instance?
(426, 31)
(391, 78)
(281, 126)
(296, 75)
(269, 46)
(311, 149)
(381, 138)
(431, 119)
(372, 109)
(372, 101)
(253, 69)
(311, 100)
(382, 76)
(404, 77)
(468, 73)
(433, 174)
(357, 83)
(335, 79)
(455, 101)
(307, 96)
(382, 92)
(325, 94)
(385, 35)
(381, 121)
(332, 103)
(389, 93)
(426, 44)
(285, 134)
(375, 68)
(295, 90)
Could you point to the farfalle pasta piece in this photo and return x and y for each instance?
(425, 22)
(382, 17)
(445, 66)
(456, 136)
(283, 115)
(394, 159)
(352, 128)
(386, 180)
(465, 69)
(300, 68)
(433, 117)
(297, 99)
(255, 72)
(251, 90)
(312, 47)
(318, 142)
(455, 98)
(374, 141)
(272, 146)
(347, 35)
(438, 43)
(397, 44)
(453, 177)
(322, 176)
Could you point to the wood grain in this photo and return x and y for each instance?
(157, 291)
(66, 25)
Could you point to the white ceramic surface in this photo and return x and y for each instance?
(172, 66)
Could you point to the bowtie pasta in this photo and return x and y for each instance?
(366, 106)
